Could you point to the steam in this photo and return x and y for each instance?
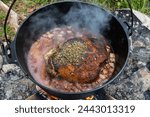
(44, 21)
(79, 16)
(89, 17)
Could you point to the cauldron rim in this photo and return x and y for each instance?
(71, 93)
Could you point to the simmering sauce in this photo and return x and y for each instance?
(52, 39)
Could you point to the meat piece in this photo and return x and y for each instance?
(77, 60)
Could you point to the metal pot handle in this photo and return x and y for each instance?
(8, 48)
(130, 27)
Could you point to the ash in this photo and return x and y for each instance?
(134, 81)
(13, 83)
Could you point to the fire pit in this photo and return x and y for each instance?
(98, 21)
(129, 85)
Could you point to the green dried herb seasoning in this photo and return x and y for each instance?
(71, 52)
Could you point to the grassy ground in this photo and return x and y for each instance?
(25, 7)
(140, 5)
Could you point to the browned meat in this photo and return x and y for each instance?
(77, 60)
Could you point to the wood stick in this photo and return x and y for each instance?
(13, 18)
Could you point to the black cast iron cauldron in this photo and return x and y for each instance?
(50, 16)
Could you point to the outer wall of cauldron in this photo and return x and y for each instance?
(27, 35)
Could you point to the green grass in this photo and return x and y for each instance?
(8, 28)
(140, 5)
(2, 15)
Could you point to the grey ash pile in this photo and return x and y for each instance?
(13, 82)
